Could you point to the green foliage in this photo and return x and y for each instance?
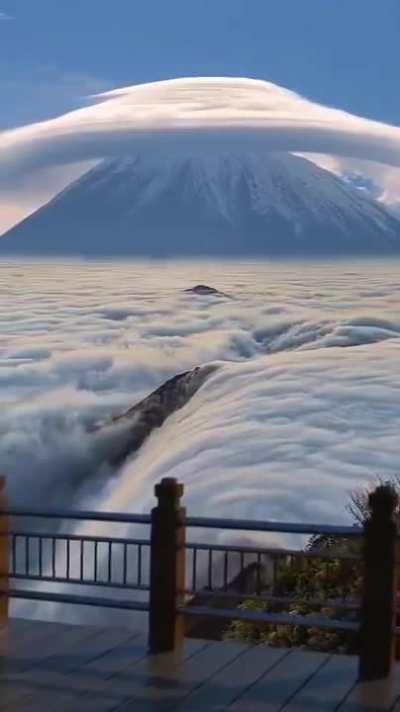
(324, 579)
(287, 636)
(336, 581)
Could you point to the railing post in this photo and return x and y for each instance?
(4, 552)
(167, 567)
(377, 637)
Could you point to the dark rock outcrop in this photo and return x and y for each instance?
(205, 290)
(125, 433)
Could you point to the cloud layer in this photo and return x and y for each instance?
(305, 364)
(193, 114)
(199, 110)
(302, 408)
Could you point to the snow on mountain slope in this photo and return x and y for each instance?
(207, 202)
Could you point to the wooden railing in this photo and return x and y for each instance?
(169, 572)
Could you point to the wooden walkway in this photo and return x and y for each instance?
(51, 666)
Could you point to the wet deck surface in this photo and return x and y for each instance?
(51, 666)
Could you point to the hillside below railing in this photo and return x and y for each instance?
(176, 580)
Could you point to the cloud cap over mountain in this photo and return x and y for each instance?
(230, 109)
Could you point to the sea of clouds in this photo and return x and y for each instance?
(305, 390)
(302, 408)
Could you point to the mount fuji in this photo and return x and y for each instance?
(207, 202)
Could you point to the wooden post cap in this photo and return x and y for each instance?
(168, 489)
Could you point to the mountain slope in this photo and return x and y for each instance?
(208, 203)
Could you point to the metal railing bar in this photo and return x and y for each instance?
(258, 574)
(81, 559)
(76, 581)
(280, 600)
(27, 555)
(125, 564)
(40, 557)
(13, 553)
(118, 517)
(72, 598)
(53, 556)
(268, 526)
(109, 555)
(273, 552)
(75, 537)
(68, 559)
(226, 554)
(271, 618)
(96, 543)
(139, 568)
(199, 522)
(194, 569)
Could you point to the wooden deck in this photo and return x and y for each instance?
(51, 666)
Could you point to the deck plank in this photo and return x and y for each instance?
(33, 648)
(327, 688)
(78, 684)
(67, 668)
(118, 658)
(159, 683)
(222, 688)
(69, 671)
(84, 650)
(56, 701)
(280, 683)
(24, 656)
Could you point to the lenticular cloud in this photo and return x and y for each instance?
(195, 111)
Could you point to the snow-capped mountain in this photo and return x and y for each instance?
(207, 203)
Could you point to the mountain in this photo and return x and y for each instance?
(208, 203)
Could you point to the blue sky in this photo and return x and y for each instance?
(345, 53)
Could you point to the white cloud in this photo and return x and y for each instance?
(5, 16)
(200, 112)
(82, 342)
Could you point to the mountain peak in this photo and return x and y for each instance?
(207, 201)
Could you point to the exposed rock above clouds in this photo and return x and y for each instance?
(204, 290)
(125, 433)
